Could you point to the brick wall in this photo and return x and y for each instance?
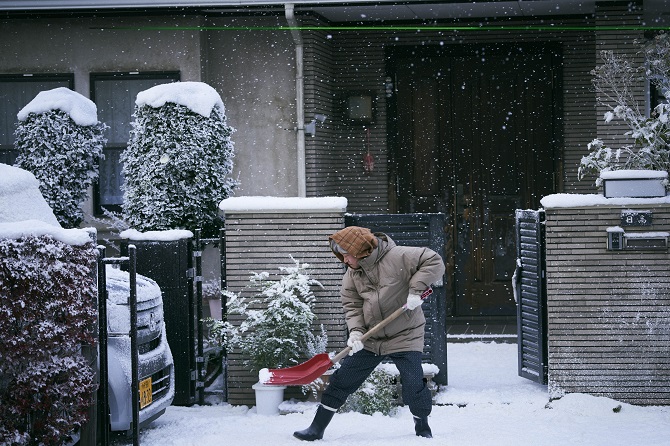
(263, 241)
(608, 311)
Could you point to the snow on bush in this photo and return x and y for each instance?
(378, 393)
(615, 84)
(60, 140)
(178, 159)
(47, 291)
(277, 323)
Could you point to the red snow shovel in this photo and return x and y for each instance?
(310, 370)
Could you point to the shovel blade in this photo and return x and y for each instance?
(301, 374)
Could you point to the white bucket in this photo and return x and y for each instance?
(268, 398)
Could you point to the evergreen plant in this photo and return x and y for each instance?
(176, 165)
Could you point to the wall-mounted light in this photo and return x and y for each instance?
(359, 107)
(310, 128)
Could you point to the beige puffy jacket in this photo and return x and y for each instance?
(380, 286)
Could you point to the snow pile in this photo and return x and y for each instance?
(24, 212)
(198, 97)
(264, 375)
(20, 197)
(82, 110)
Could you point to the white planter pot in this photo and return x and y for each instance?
(268, 398)
(634, 183)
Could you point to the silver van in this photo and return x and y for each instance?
(156, 366)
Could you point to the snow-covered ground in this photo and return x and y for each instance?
(486, 403)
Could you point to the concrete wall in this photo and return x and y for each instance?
(254, 71)
(608, 312)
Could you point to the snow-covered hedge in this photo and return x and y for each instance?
(47, 292)
(178, 159)
(60, 140)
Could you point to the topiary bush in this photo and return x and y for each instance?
(47, 292)
(379, 393)
(60, 140)
(178, 159)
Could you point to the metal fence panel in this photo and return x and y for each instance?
(530, 295)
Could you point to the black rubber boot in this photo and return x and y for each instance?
(421, 427)
(315, 430)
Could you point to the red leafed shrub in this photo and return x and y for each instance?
(47, 295)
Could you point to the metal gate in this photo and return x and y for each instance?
(529, 283)
(424, 230)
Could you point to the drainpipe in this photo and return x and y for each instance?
(299, 97)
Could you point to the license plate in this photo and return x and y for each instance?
(146, 396)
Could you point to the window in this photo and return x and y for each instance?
(114, 94)
(16, 91)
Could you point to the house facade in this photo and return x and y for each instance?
(471, 109)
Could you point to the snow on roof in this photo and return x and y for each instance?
(283, 204)
(82, 110)
(197, 96)
(163, 236)
(626, 174)
(588, 200)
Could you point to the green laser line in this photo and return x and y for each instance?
(393, 28)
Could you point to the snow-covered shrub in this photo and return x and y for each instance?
(178, 159)
(377, 394)
(614, 83)
(47, 291)
(277, 323)
(60, 140)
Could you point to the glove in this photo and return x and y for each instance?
(413, 301)
(355, 342)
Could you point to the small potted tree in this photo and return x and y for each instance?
(176, 170)
(641, 166)
(274, 329)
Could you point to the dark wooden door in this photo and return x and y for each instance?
(475, 134)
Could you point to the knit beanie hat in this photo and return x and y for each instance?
(354, 240)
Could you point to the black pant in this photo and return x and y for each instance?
(356, 368)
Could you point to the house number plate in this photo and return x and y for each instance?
(635, 218)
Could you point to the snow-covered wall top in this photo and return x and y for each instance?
(163, 236)
(82, 110)
(198, 97)
(637, 174)
(588, 200)
(283, 204)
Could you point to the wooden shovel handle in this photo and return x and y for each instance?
(393, 316)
